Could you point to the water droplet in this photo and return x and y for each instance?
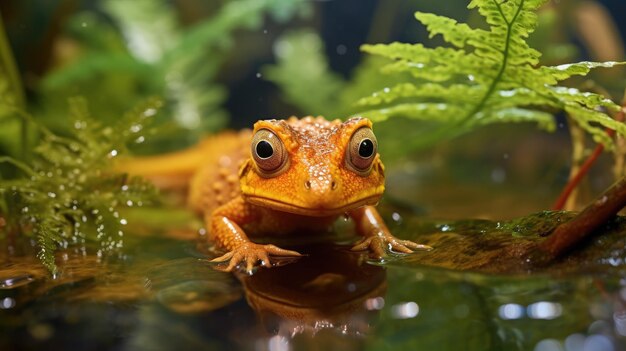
(405, 310)
(123, 221)
(140, 139)
(342, 49)
(498, 175)
(548, 345)
(258, 75)
(52, 195)
(113, 153)
(80, 125)
(149, 112)
(507, 93)
(7, 303)
(376, 303)
(396, 217)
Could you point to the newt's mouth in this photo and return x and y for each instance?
(312, 211)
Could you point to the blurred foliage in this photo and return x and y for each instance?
(307, 82)
(139, 48)
(11, 97)
(68, 195)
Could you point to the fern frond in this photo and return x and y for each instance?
(70, 195)
(487, 76)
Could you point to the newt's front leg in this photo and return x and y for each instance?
(225, 231)
(376, 235)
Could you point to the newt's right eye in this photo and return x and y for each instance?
(268, 152)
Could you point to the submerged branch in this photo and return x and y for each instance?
(568, 234)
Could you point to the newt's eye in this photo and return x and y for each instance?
(268, 152)
(362, 149)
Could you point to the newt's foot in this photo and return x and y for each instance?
(252, 254)
(379, 245)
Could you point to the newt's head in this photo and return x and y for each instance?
(312, 166)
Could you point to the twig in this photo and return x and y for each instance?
(580, 227)
(584, 168)
(577, 134)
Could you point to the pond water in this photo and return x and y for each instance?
(477, 290)
(162, 293)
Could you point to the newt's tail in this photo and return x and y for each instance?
(174, 171)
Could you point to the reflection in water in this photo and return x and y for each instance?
(329, 289)
(405, 310)
(538, 310)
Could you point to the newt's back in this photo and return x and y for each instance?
(216, 182)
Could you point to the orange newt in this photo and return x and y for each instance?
(283, 176)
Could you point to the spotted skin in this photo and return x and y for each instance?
(310, 194)
(239, 202)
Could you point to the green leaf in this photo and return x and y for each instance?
(562, 72)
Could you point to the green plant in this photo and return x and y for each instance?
(487, 76)
(147, 51)
(68, 194)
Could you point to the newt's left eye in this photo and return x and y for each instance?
(268, 152)
(362, 149)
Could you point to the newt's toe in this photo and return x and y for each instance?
(252, 255)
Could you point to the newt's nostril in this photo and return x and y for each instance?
(333, 185)
(307, 185)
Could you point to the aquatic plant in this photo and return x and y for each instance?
(487, 76)
(145, 50)
(68, 194)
